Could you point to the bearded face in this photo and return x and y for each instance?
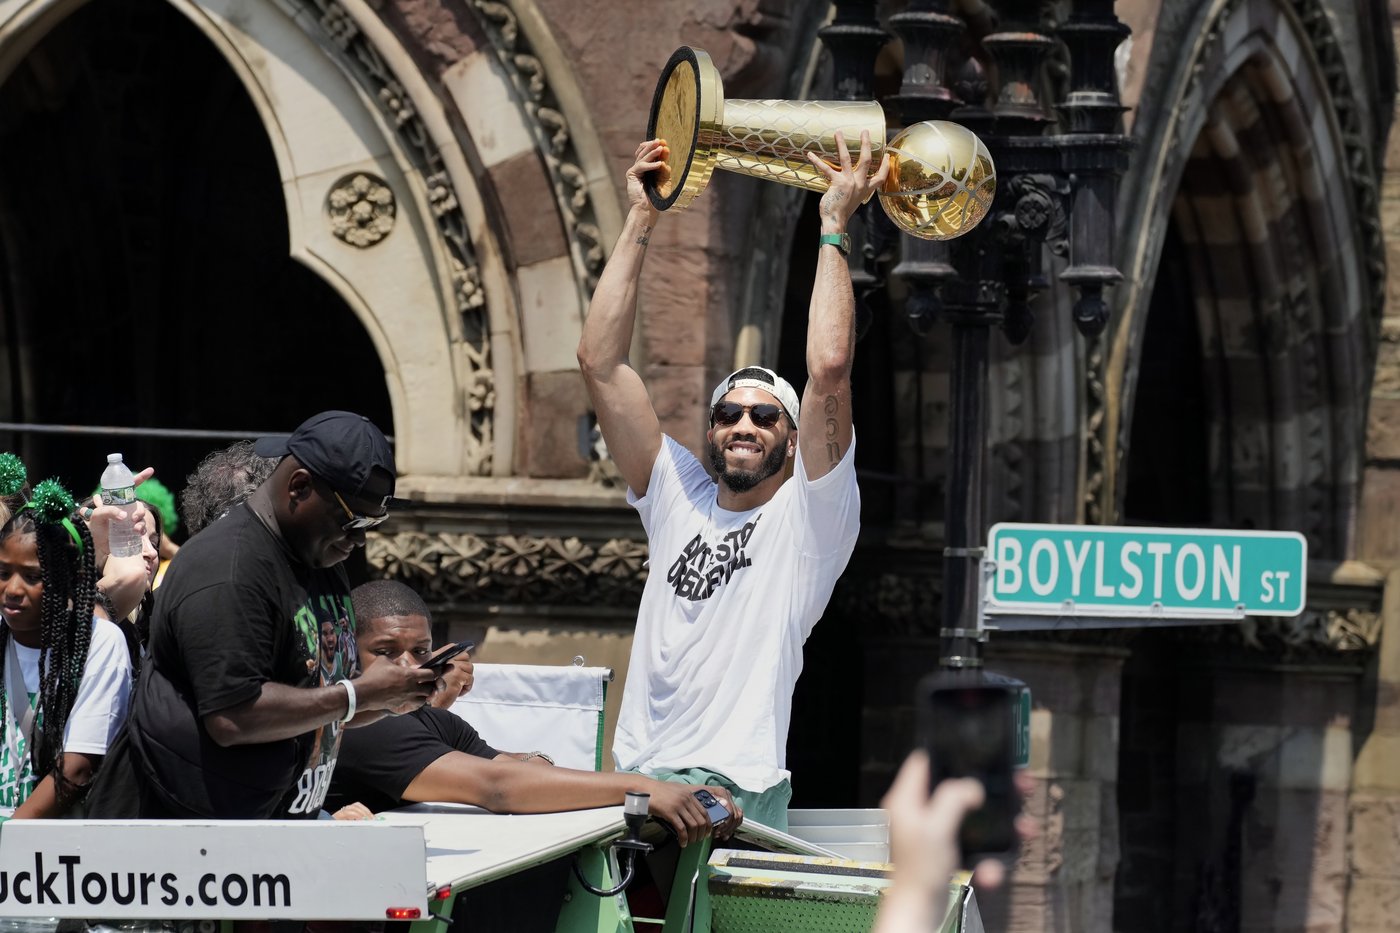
(740, 479)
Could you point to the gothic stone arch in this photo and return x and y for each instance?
(1257, 152)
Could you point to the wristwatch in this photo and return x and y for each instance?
(841, 241)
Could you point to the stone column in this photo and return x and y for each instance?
(1263, 771)
(1373, 892)
(1063, 880)
(1380, 497)
(1373, 895)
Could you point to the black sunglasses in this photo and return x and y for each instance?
(763, 415)
(353, 520)
(357, 522)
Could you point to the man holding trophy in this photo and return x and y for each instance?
(742, 566)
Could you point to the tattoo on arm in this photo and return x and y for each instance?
(833, 449)
(830, 202)
(645, 237)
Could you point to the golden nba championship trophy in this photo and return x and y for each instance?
(941, 178)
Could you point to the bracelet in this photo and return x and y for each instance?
(106, 602)
(350, 694)
(538, 755)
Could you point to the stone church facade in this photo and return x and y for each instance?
(402, 206)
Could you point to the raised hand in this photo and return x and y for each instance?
(99, 520)
(650, 157)
(924, 846)
(851, 185)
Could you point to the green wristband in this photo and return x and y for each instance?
(841, 241)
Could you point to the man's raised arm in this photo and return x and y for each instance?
(628, 422)
(825, 432)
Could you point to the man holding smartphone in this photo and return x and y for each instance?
(252, 670)
(742, 565)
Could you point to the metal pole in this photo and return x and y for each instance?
(963, 519)
(106, 430)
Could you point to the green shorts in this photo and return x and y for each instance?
(769, 807)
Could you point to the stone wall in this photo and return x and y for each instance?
(1373, 898)
(1264, 770)
(1378, 542)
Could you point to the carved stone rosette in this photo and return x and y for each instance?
(360, 208)
(473, 569)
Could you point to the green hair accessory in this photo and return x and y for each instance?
(51, 505)
(13, 475)
(153, 493)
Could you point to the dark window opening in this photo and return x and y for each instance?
(1169, 447)
(144, 276)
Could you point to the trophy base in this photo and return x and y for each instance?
(687, 112)
(771, 140)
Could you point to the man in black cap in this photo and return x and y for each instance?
(238, 711)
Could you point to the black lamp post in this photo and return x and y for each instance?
(1056, 190)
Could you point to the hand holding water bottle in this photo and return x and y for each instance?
(119, 521)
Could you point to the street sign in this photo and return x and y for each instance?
(1181, 573)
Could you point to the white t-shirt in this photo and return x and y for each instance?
(730, 599)
(98, 711)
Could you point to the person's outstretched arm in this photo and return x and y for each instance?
(512, 787)
(825, 430)
(625, 416)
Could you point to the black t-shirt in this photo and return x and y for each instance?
(378, 762)
(236, 610)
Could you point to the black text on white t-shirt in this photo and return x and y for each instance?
(700, 569)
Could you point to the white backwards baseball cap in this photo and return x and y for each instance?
(757, 377)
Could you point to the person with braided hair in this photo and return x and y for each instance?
(64, 670)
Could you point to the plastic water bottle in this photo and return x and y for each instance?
(119, 489)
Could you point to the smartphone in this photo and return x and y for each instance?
(967, 723)
(713, 806)
(440, 662)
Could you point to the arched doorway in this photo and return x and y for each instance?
(146, 273)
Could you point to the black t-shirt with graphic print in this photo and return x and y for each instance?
(379, 761)
(236, 610)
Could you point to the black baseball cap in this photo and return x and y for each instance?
(345, 450)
